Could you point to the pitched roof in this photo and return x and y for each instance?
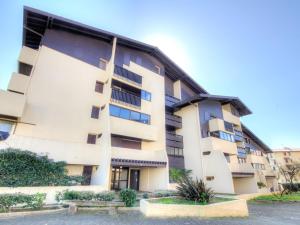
(236, 102)
(35, 23)
(258, 141)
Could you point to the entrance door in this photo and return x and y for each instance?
(87, 175)
(119, 178)
(134, 179)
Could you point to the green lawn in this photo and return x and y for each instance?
(284, 198)
(180, 201)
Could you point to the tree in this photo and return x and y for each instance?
(289, 172)
(177, 174)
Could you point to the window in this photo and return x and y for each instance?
(242, 153)
(129, 114)
(241, 160)
(146, 95)
(157, 69)
(99, 87)
(135, 116)
(114, 110)
(145, 118)
(228, 126)
(5, 129)
(125, 142)
(124, 113)
(222, 135)
(91, 139)
(172, 151)
(95, 112)
(102, 64)
(210, 178)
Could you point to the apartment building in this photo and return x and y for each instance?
(120, 112)
(282, 158)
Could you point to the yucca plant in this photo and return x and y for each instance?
(194, 190)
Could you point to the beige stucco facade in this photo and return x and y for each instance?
(61, 103)
(283, 158)
(53, 116)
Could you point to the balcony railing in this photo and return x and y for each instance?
(125, 97)
(170, 100)
(238, 138)
(173, 121)
(173, 140)
(128, 75)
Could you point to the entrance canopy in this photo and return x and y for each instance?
(137, 163)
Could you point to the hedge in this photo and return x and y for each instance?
(20, 168)
(292, 188)
(85, 195)
(7, 201)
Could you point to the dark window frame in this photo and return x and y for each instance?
(99, 89)
(95, 112)
(116, 112)
(91, 139)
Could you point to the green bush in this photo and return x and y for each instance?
(35, 201)
(194, 190)
(176, 174)
(23, 168)
(145, 195)
(105, 196)
(260, 185)
(128, 196)
(84, 195)
(164, 193)
(291, 187)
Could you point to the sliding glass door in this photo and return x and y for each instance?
(119, 178)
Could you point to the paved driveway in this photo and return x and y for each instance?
(260, 214)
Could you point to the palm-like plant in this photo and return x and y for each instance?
(194, 190)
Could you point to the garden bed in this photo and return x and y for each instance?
(293, 197)
(177, 207)
(181, 201)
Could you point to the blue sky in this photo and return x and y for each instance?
(249, 49)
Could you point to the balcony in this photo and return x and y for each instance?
(269, 173)
(248, 145)
(127, 75)
(170, 100)
(217, 144)
(28, 55)
(229, 117)
(173, 121)
(18, 83)
(216, 124)
(130, 128)
(256, 159)
(173, 140)
(241, 169)
(126, 98)
(12, 104)
(238, 136)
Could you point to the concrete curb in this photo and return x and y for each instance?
(31, 213)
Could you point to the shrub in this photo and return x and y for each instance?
(291, 187)
(164, 193)
(84, 195)
(105, 196)
(176, 174)
(145, 195)
(23, 168)
(194, 190)
(128, 196)
(33, 201)
(260, 185)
